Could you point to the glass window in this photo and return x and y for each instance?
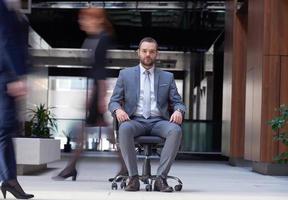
(179, 85)
(68, 97)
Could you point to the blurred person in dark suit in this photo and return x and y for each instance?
(13, 54)
(99, 31)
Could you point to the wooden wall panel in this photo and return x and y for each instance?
(248, 140)
(283, 32)
(238, 86)
(255, 34)
(256, 113)
(270, 101)
(227, 78)
(254, 80)
(284, 80)
(276, 27)
(253, 114)
(283, 90)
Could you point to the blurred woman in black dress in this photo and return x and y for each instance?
(94, 22)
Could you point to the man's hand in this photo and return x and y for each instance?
(121, 115)
(176, 117)
(17, 88)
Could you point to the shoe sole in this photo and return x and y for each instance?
(132, 190)
(157, 190)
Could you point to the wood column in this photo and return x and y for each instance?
(234, 83)
(255, 81)
(266, 84)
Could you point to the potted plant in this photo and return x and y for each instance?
(42, 121)
(34, 151)
(67, 146)
(280, 126)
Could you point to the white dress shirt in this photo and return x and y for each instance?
(154, 110)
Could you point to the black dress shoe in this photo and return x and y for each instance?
(133, 185)
(16, 191)
(161, 185)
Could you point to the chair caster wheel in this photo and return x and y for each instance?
(148, 187)
(114, 186)
(123, 185)
(178, 187)
(146, 181)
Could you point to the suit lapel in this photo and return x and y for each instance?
(156, 81)
(137, 82)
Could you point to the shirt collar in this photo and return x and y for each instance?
(142, 69)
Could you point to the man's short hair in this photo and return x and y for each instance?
(148, 39)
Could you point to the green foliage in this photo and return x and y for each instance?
(42, 121)
(277, 124)
(67, 135)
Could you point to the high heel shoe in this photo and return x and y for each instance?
(15, 191)
(61, 177)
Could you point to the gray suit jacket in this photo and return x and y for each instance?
(127, 91)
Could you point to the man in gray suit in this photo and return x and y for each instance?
(140, 102)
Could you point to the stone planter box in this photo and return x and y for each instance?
(273, 169)
(33, 154)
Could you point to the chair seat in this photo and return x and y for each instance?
(149, 140)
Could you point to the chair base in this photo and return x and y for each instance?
(146, 179)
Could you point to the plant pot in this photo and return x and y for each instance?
(67, 148)
(33, 154)
(273, 169)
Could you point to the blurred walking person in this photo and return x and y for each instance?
(13, 52)
(94, 22)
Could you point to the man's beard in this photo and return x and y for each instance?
(150, 62)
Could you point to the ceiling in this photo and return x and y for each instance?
(176, 25)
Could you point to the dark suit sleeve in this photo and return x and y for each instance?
(13, 35)
(118, 94)
(175, 98)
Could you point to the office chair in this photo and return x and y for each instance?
(146, 144)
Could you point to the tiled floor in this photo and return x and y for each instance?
(201, 179)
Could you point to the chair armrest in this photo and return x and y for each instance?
(116, 129)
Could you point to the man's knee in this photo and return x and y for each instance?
(126, 129)
(175, 130)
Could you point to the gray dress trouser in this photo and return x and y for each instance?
(157, 126)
